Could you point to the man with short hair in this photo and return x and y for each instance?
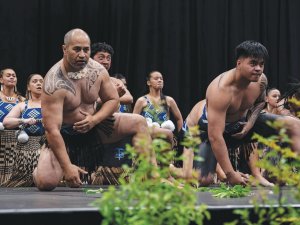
(103, 53)
(231, 114)
(75, 131)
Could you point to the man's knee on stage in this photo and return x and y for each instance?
(139, 125)
(48, 172)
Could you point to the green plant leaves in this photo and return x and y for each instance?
(225, 191)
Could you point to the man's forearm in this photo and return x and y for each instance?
(221, 153)
(106, 110)
(126, 98)
(57, 145)
(255, 111)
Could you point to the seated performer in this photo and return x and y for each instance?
(75, 131)
(28, 115)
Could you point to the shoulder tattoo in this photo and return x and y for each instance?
(263, 87)
(55, 80)
(263, 83)
(93, 72)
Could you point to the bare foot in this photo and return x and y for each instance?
(260, 180)
(172, 181)
(176, 172)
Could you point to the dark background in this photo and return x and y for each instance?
(189, 41)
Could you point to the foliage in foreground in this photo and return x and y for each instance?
(285, 172)
(225, 191)
(148, 198)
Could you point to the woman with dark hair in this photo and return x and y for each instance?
(9, 97)
(28, 117)
(156, 107)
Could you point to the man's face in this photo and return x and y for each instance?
(104, 58)
(251, 68)
(77, 52)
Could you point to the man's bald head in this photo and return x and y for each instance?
(70, 34)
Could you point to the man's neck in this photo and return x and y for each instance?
(67, 67)
(239, 81)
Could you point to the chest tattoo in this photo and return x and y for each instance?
(55, 80)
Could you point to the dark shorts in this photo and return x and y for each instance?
(209, 162)
(85, 150)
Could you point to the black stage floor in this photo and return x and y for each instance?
(72, 206)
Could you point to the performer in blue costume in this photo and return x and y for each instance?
(9, 97)
(156, 107)
(26, 115)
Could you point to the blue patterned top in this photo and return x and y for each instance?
(36, 113)
(124, 108)
(157, 113)
(5, 108)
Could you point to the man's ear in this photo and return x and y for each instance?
(64, 48)
(238, 62)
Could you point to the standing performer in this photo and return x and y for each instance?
(9, 97)
(28, 115)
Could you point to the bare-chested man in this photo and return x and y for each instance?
(231, 113)
(70, 90)
(103, 53)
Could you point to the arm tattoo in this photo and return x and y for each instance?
(55, 80)
(262, 87)
(259, 104)
(93, 72)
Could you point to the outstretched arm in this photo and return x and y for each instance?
(52, 110)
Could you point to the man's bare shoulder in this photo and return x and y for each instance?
(55, 80)
(95, 68)
(221, 83)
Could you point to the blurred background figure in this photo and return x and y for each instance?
(124, 108)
